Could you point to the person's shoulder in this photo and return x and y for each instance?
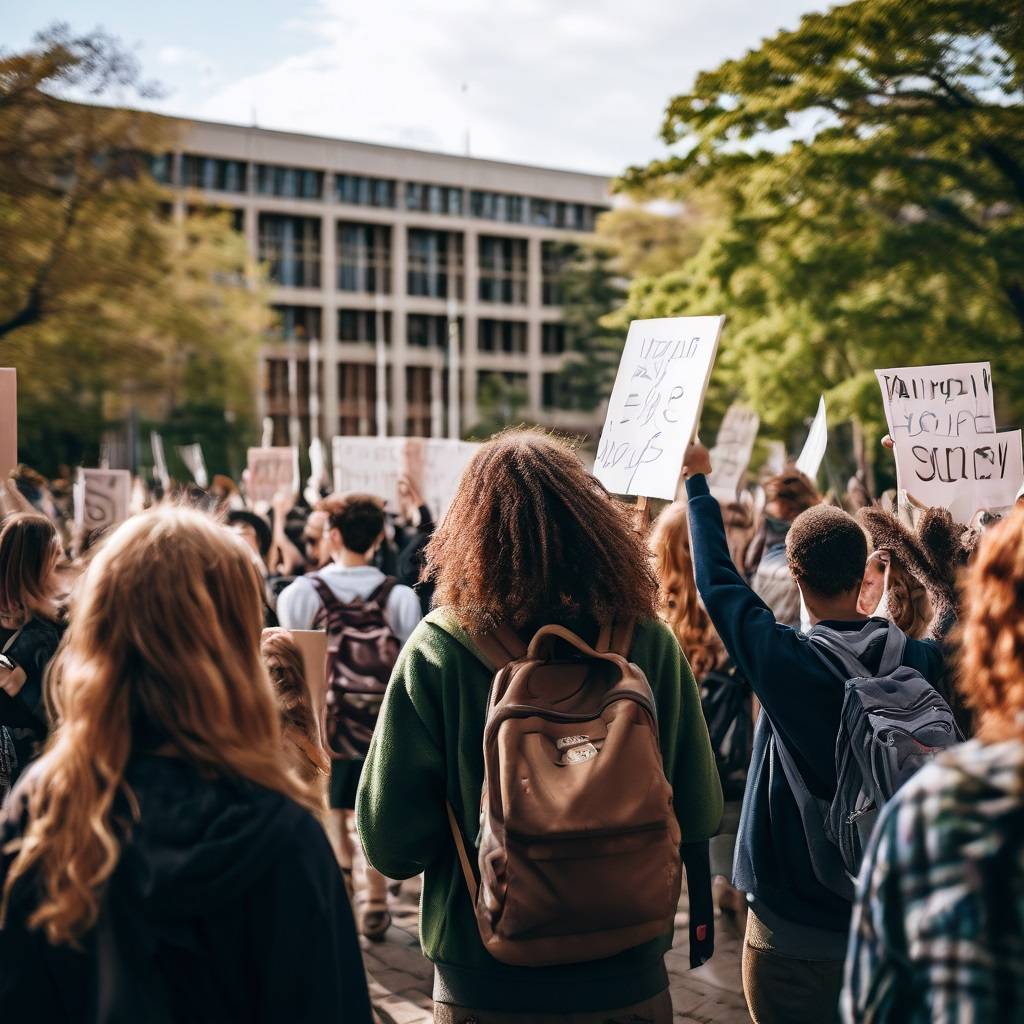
(400, 593)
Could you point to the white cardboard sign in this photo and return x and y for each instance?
(8, 421)
(272, 470)
(946, 400)
(816, 443)
(156, 443)
(655, 404)
(731, 453)
(964, 474)
(374, 465)
(101, 497)
(192, 456)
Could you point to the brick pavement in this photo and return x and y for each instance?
(400, 978)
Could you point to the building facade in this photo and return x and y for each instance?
(364, 242)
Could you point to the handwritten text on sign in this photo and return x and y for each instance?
(731, 454)
(964, 474)
(942, 401)
(655, 404)
(272, 470)
(101, 497)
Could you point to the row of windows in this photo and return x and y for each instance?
(357, 391)
(423, 330)
(291, 246)
(220, 175)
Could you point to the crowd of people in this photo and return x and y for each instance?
(548, 711)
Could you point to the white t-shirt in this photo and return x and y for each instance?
(299, 604)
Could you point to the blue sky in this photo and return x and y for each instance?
(556, 82)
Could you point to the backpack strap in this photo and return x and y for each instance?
(383, 592)
(849, 649)
(616, 637)
(460, 849)
(327, 598)
(500, 646)
(892, 654)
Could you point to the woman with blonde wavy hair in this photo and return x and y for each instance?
(938, 928)
(159, 862)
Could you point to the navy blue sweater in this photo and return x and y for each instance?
(803, 700)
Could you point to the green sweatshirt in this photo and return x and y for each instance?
(427, 748)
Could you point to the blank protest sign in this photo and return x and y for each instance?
(8, 421)
(272, 470)
(965, 473)
(944, 400)
(809, 461)
(733, 447)
(655, 404)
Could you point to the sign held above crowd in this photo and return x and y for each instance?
(945, 400)
(271, 471)
(101, 498)
(655, 404)
(733, 448)
(809, 461)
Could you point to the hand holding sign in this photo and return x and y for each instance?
(655, 404)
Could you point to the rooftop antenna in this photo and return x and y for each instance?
(465, 107)
(254, 117)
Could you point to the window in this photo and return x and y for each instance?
(555, 391)
(360, 325)
(433, 198)
(363, 191)
(364, 257)
(161, 166)
(552, 339)
(502, 336)
(299, 322)
(553, 259)
(208, 172)
(357, 397)
(418, 405)
(435, 264)
(503, 270)
(499, 206)
(289, 182)
(291, 245)
(426, 331)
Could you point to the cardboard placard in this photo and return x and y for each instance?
(313, 645)
(272, 470)
(945, 400)
(966, 474)
(813, 451)
(8, 421)
(156, 443)
(655, 404)
(101, 497)
(192, 456)
(374, 465)
(731, 453)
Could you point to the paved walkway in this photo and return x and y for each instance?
(400, 977)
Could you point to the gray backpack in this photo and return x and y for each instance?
(893, 722)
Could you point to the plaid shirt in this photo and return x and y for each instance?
(938, 927)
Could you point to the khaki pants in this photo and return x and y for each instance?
(653, 1011)
(784, 990)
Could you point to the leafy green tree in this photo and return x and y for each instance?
(870, 171)
(501, 402)
(108, 303)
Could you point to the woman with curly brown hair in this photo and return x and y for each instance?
(160, 862)
(531, 539)
(938, 928)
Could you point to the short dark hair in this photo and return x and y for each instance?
(264, 535)
(826, 550)
(359, 518)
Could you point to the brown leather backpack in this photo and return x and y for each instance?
(361, 652)
(579, 844)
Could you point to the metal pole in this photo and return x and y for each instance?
(382, 376)
(454, 373)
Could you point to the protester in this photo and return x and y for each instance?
(30, 631)
(340, 596)
(725, 698)
(786, 496)
(796, 926)
(283, 661)
(530, 540)
(160, 862)
(938, 927)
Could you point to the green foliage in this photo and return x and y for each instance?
(107, 302)
(500, 403)
(869, 167)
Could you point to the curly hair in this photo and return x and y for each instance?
(826, 550)
(991, 677)
(531, 536)
(678, 603)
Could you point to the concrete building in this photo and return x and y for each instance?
(364, 241)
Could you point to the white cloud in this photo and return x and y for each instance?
(575, 84)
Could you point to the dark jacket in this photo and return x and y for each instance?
(226, 905)
(803, 701)
(31, 648)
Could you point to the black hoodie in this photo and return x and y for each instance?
(226, 905)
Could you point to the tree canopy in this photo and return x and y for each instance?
(108, 302)
(869, 169)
